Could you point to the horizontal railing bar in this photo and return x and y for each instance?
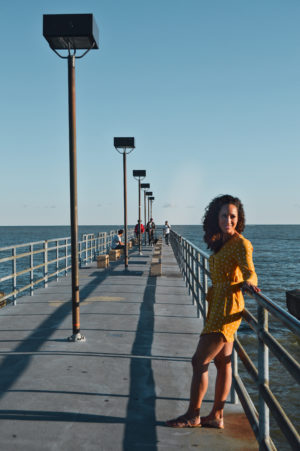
(59, 271)
(24, 271)
(277, 349)
(280, 416)
(32, 243)
(289, 320)
(7, 248)
(251, 320)
(291, 365)
(4, 278)
(51, 262)
(61, 246)
(26, 254)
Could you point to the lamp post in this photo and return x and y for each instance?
(151, 201)
(148, 193)
(125, 146)
(139, 175)
(72, 32)
(145, 186)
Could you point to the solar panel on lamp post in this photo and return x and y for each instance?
(72, 32)
(139, 174)
(125, 146)
(145, 186)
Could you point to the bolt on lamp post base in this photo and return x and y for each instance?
(77, 337)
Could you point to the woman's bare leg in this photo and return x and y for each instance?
(223, 381)
(210, 345)
(208, 348)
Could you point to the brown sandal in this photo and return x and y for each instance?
(214, 423)
(183, 422)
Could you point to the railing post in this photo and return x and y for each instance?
(193, 275)
(263, 377)
(31, 270)
(205, 286)
(104, 243)
(66, 256)
(86, 249)
(199, 294)
(46, 264)
(186, 262)
(14, 280)
(57, 257)
(235, 372)
(80, 253)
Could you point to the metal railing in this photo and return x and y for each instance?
(193, 263)
(23, 267)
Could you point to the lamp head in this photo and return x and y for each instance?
(71, 31)
(124, 143)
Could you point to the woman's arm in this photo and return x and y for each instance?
(245, 263)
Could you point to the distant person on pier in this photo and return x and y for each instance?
(137, 229)
(117, 240)
(150, 230)
(166, 229)
(232, 270)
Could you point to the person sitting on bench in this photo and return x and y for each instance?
(117, 240)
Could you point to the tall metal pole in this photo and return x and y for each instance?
(148, 209)
(125, 208)
(151, 208)
(73, 199)
(140, 237)
(145, 216)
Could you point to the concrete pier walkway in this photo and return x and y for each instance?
(114, 391)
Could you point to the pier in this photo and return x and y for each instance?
(114, 391)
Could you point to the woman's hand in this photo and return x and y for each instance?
(248, 286)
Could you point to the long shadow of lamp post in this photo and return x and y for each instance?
(145, 186)
(72, 32)
(125, 146)
(139, 174)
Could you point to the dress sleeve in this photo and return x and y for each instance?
(244, 260)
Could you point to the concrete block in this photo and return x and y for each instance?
(2, 303)
(103, 261)
(114, 255)
(155, 269)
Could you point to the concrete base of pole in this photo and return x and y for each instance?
(77, 337)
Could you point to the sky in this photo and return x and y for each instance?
(208, 88)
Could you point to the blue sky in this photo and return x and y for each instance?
(208, 88)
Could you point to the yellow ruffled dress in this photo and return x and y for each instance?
(229, 268)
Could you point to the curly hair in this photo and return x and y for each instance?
(212, 231)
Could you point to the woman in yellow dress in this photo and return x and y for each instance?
(232, 270)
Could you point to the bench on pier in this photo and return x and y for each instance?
(114, 254)
(156, 265)
(103, 261)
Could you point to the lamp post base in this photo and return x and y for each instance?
(77, 337)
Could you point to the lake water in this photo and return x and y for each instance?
(277, 262)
